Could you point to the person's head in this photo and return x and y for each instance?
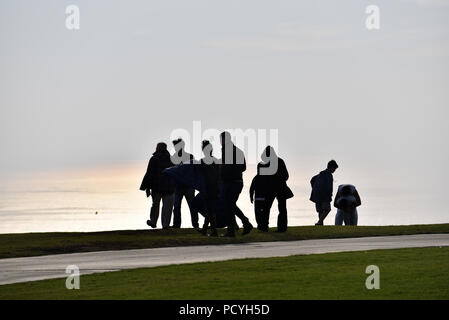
(161, 146)
(332, 166)
(206, 146)
(346, 191)
(178, 144)
(268, 154)
(225, 138)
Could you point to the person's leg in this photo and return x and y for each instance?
(258, 212)
(238, 186)
(231, 193)
(282, 217)
(177, 207)
(239, 214)
(211, 217)
(189, 194)
(167, 208)
(266, 212)
(325, 209)
(339, 218)
(154, 213)
(229, 207)
(247, 226)
(317, 209)
(347, 218)
(200, 205)
(355, 218)
(206, 222)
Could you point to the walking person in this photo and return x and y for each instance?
(233, 164)
(270, 183)
(346, 201)
(211, 173)
(260, 196)
(322, 188)
(181, 157)
(159, 186)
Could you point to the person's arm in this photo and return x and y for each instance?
(312, 181)
(358, 201)
(328, 185)
(151, 172)
(252, 189)
(337, 197)
(243, 166)
(283, 170)
(239, 160)
(143, 185)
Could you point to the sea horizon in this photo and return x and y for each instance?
(107, 198)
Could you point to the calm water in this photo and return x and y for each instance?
(109, 199)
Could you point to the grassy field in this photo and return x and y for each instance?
(35, 244)
(404, 274)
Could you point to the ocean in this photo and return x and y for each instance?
(109, 199)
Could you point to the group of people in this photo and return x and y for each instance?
(212, 188)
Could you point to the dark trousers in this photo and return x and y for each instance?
(323, 209)
(209, 215)
(232, 190)
(282, 216)
(189, 194)
(262, 210)
(167, 207)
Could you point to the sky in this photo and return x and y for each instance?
(375, 100)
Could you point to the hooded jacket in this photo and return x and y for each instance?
(154, 178)
(275, 184)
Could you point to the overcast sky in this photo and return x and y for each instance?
(136, 70)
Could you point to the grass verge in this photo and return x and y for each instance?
(419, 273)
(36, 244)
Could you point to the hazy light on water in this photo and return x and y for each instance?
(109, 199)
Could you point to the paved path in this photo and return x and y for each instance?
(53, 266)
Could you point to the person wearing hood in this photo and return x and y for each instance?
(346, 201)
(159, 185)
(270, 183)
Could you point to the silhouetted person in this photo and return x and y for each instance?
(159, 186)
(180, 157)
(211, 173)
(322, 185)
(233, 164)
(270, 183)
(346, 201)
